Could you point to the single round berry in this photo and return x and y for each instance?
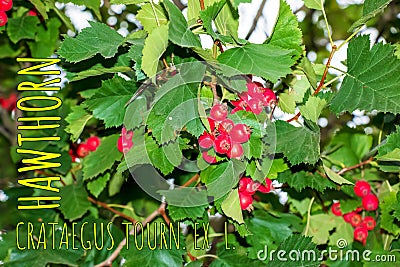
(256, 105)
(32, 13)
(269, 96)
(362, 188)
(240, 133)
(225, 126)
(6, 5)
(348, 216)
(361, 234)
(356, 220)
(124, 145)
(243, 183)
(219, 112)
(236, 151)
(369, 222)
(370, 202)
(267, 187)
(336, 209)
(3, 18)
(245, 200)
(222, 144)
(206, 140)
(254, 90)
(82, 150)
(92, 143)
(208, 158)
(9, 103)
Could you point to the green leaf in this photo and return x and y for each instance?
(231, 206)
(116, 183)
(391, 156)
(301, 180)
(370, 10)
(179, 33)
(388, 221)
(313, 108)
(286, 33)
(191, 198)
(265, 60)
(96, 70)
(306, 147)
(149, 20)
(108, 102)
(193, 11)
(103, 158)
(287, 102)
(128, 2)
(392, 143)
(46, 40)
(278, 166)
(314, 4)
(43, 257)
(320, 226)
(74, 203)
(227, 258)
(99, 38)
(155, 45)
(227, 21)
(208, 16)
(94, 5)
(336, 177)
(97, 185)
(22, 28)
(221, 178)
(371, 82)
(77, 120)
(299, 244)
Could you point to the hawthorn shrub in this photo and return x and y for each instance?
(251, 141)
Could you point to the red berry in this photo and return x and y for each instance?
(336, 209)
(206, 140)
(370, 202)
(269, 96)
(267, 187)
(222, 144)
(254, 90)
(212, 124)
(6, 5)
(208, 158)
(124, 145)
(9, 103)
(82, 150)
(347, 217)
(362, 188)
(369, 222)
(256, 105)
(245, 200)
(32, 13)
(356, 220)
(359, 209)
(225, 126)
(236, 151)
(240, 133)
(92, 143)
(243, 183)
(361, 234)
(73, 156)
(219, 112)
(3, 18)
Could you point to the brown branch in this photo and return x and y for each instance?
(321, 83)
(104, 205)
(255, 20)
(191, 180)
(202, 7)
(346, 169)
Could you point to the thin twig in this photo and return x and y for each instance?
(104, 205)
(191, 180)
(355, 166)
(255, 20)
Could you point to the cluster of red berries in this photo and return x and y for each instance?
(9, 103)
(248, 187)
(226, 137)
(361, 225)
(83, 149)
(124, 142)
(5, 5)
(255, 99)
